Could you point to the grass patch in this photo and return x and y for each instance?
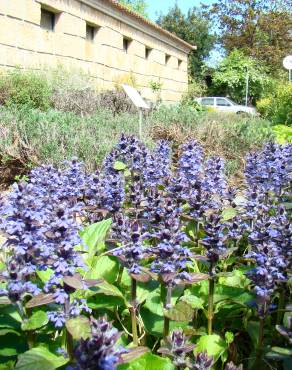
(29, 136)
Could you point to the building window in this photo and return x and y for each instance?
(90, 32)
(167, 58)
(126, 44)
(179, 63)
(147, 52)
(48, 20)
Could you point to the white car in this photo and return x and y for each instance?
(225, 105)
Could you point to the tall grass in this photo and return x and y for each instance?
(30, 137)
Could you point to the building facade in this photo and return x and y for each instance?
(100, 37)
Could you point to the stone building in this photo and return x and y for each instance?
(101, 37)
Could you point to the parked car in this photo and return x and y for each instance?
(225, 105)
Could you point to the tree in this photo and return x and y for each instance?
(260, 28)
(230, 77)
(138, 6)
(195, 28)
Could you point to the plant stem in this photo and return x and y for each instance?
(30, 333)
(281, 306)
(259, 352)
(68, 336)
(197, 233)
(133, 311)
(167, 306)
(121, 270)
(210, 304)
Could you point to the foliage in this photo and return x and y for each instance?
(277, 106)
(230, 77)
(25, 88)
(283, 134)
(195, 28)
(194, 263)
(138, 6)
(196, 89)
(29, 137)
(126, 78)
(259, 28)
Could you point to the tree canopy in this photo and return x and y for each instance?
(260, 28)
(138, 6)
(230, 77)
(195, 28)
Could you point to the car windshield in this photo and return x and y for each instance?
(231, 101)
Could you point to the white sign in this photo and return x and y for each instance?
(136, 98)
(287, 62)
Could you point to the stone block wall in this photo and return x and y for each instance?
(25, 44)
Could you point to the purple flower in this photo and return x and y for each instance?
(101, 350)
(178, 348)
(57, 318)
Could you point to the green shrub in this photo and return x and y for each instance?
(277, 106)
(25, 88)
(264, 107)
(282, 104)
(283, 134)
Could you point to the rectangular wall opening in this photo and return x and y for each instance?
(147, 52)
(126, 44)
(91, 32)
(167, 58)
(48, 20)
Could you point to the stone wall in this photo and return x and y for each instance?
(23, 43)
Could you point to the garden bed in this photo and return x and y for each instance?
(153, 262)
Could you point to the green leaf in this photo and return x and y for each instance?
(253, 331)
(8, 331)
(94, 237)
(102, 301)
(213, 344)
(148, 361)
(107, 289)
(12, 344)
(105, 267)
(79, 327)
(154, 323)
(282, 351)
(194, 301)
(144, 290)
(40, 358)
(228, 214)
(37, 320)
(153, 303)
(229, 337)
(44, 275)
(182, 311)
(8, 352)
(119, 166)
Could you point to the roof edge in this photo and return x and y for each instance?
(147, 22)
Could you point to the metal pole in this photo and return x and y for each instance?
(246, 87)
(140, 123)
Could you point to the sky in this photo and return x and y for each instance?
(157, 6)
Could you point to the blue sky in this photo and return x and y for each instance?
(157, 6)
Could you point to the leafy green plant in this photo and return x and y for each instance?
(25, 88)
(283, 134)
(231, 75)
